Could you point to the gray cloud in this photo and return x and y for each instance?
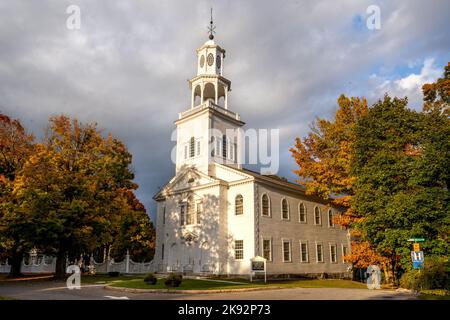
(127, 67)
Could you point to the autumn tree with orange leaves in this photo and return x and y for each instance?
(324, 160)
(16, 145)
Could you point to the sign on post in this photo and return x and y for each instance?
(258, 264)
(416, 246)
(417, 259)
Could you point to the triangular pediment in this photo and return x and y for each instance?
(186, 179)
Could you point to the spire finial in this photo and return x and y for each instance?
(212, 27)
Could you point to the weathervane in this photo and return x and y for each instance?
(211, 28)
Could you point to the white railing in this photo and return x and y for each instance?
(47, 264)
(209, 104)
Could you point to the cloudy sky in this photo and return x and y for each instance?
(127, 67)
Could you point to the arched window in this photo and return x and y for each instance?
(265, 203)
(330, 218)
(284, 209)
(317, 216)
(239, 205)
(302, 212)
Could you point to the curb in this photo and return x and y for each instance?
(132, 290)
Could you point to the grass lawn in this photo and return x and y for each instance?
(434, 295)
(136, 282)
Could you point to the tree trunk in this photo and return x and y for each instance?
(16, 263)
(60, 272)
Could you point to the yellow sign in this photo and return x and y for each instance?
(416, 246)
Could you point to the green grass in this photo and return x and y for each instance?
(194, 284)
(435, 294)
(186, 284)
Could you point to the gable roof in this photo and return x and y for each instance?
(281, 183)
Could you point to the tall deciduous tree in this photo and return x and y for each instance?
(70, 192)
(15, 147)
(325, 158)
(136, 233)
(396, 192)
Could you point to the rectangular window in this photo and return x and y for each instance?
(218, 146)
(302, 212)
(319, 252)
(286, 251)
(239, 249)
(224, 146)
(330, 219)
(198, 148)
(267, 249)
(333, 253)
(232, 152)
(192, 151)
(185, 151)
(164, 214)
(304, 256)
(162, 251)
(344, 252)
(199, 211)
(182, 214)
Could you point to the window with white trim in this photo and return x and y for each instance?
(284, 209)
(182, 214)
(239, 249)
(164, 214)
(304, 255)
(199, 211)
(286, 244)
(330, 219)
(192, 147)
(239, 205)
(333, 253)
(319, 252)
(317, 216)
(344, 253)
(213, 146)
(198, 147)
(302, 212)
(265, 205)
(267, 249)
(224, 146)
(190, 210)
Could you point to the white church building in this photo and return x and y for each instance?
(213, 216)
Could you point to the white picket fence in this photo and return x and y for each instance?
(47, 264)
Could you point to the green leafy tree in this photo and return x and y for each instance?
(136, 233)
(395, 191)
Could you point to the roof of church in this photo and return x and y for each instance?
(281, 181)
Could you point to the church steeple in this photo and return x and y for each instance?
(209, 84)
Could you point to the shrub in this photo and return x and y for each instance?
(150, 279)
(173, 280)
(113, 273)
(434, 275)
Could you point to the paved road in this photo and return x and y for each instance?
(56, 290)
